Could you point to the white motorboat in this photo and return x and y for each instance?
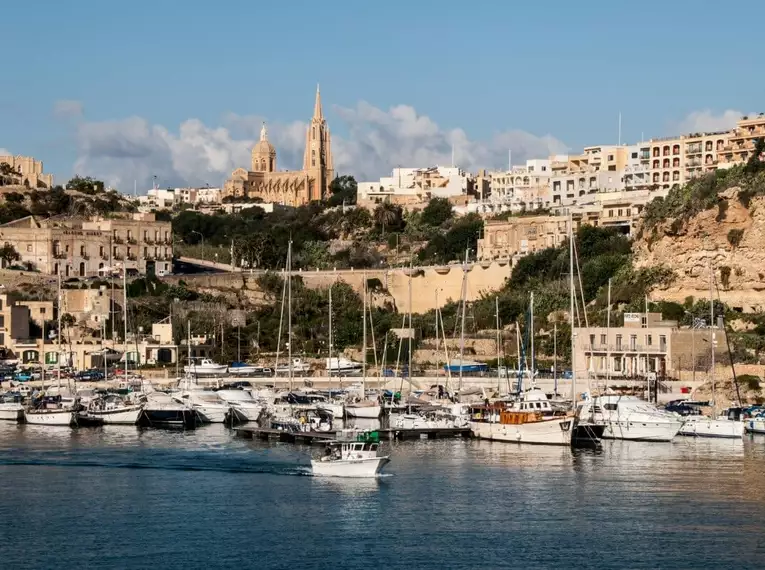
(360, 458)
(363, 409)
(728, 425)
(161, 410)
(630, 418)
(209, 407)
(205, 367)
(342, 366)
(336, 408)
(429, 421)
(113, 410)
(12, 412)
(299, 368)
(244, 407)
(244, 369)
(530, 419)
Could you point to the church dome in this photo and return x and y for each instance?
(263, 147)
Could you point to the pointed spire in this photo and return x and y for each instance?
(264, 132)
(317, 114)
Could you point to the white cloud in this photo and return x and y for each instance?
(68, 108)
(132, 149)
(707, 121)
(5, 152)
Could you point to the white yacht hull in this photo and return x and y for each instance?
(11, 412)
(244, 370)
(206, 370)
(211, 414)
(124, 416)
(369, 412)
(702, 426)
(337, 410)
(355, 468)
(641, 430)
(51, 417)
(247, 413)
(755, 425)
(548, 432)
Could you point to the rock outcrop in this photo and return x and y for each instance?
(730, 238)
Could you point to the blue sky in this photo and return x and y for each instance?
(178, 89)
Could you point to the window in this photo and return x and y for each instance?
(611, 407)
(2, 320)
(145, 235)
(610, 157)
(130, 234)
(617, 364)
(633, 341)
(167, 236)
(663, 342)
(101, 251)
(82, 250)
(29, 247)
(634, 155)
(648, 340)
(592, 340)
(618, 342)
(42, 310)
(115, 251)
(602, 339)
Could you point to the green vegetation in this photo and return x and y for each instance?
(9, 254)
(735, 236)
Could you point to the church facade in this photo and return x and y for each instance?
(288, 187)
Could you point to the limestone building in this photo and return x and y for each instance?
(26, 171)
(289, 187)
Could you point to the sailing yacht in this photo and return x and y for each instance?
(112, 409)
(363, 408)
(53, 411)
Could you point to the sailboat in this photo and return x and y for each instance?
(56, 411)
(363, 408)
(728, 424)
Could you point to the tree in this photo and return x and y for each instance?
(85, 185)
(15, 198)
(389, 217)
(9, 254)
(342, 190)
(437, 212)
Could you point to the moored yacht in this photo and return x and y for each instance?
(244, 369)
(363, 409)
(205, 367)
(112, 409)
(244, 408)
(528, 420)
(630, 418)
(53, 411)
(161, 410)
(342, 366)
(728, 425)
(11, 409)
(298, 368)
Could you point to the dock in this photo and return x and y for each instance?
(270, 434)
(424, 433)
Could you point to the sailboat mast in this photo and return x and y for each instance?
(58, 336)
(608, 336)
(571, 303)
(364, 342)
(124, 318)
(462, 320)
(329, 360)
(496, 313)
(712, 338)
(531, 333)
(42, 369)
(289, 311)
(555, 359)
(411, 332)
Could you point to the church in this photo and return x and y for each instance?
(289, 187)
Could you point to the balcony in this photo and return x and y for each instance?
(131, 257)
(132, 241)
(59, 255)
(626, 349)
(85, 256)
(148, 241)
(118, 257)
(118, 240)
(694, 150)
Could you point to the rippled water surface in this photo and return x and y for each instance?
(119, 497)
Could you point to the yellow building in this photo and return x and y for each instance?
(289, 188)
(741, 140)
(28, 172)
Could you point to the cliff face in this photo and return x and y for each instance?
(730, 236)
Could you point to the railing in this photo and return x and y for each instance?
(132, 241)
(624, 348)
(131, 257)
(59, 255)
(148, 241)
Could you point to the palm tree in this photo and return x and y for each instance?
(387, 214)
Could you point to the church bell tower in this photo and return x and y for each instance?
(317, 161)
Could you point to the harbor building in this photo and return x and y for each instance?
(645, 344)
(82, 247)
(289, 187)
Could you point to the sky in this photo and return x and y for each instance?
(178, 90)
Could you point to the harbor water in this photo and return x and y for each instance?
(122, 497)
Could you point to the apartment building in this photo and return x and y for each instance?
(87, 247)
(413, 185)
(644, 344)
(741, 141)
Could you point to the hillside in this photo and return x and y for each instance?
(717, 221)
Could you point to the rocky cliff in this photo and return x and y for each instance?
(729, 237)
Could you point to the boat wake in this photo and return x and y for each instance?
(157, 459)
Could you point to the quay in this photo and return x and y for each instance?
(423, 433)
(306, 437)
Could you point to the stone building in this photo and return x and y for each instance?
(29, 172)
(79, 247)
(289, 187)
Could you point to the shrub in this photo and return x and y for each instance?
(734, 237)
(725, 276)
(750, 381)
(722, 209)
